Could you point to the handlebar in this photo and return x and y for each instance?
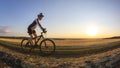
(44, 31)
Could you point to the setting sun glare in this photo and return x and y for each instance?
(92, 31)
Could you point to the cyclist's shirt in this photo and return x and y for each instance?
(34, 24)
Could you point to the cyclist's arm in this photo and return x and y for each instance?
(40, 26)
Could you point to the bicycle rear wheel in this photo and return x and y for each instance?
(25, 45)
(47, 47)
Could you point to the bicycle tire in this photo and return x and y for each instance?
(25, 45)
(44, 46)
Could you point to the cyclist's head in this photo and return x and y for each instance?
(40, 16)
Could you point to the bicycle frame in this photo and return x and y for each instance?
(39, 37)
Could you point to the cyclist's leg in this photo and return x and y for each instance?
(34, 33)
(30, 32)
(35, 36)
(30, 39)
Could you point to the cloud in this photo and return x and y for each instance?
(5, 29)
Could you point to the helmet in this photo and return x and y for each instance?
(41, 15)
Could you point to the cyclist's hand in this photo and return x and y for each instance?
(44, 30)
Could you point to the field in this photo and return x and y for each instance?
(72, 53)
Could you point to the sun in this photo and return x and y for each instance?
(92, 31)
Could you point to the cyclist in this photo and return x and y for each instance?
(34, 24)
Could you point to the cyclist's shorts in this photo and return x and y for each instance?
(30, 31)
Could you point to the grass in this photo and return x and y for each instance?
(67, 50)
(12, 46)
(65, 55)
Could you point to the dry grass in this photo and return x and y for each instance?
(11, 40)
(66, 62)
(82, 42)
(85, 42)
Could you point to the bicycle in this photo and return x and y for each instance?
(46, 46)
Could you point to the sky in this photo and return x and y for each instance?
(62, 18)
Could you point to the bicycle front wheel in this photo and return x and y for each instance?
(47, 47)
